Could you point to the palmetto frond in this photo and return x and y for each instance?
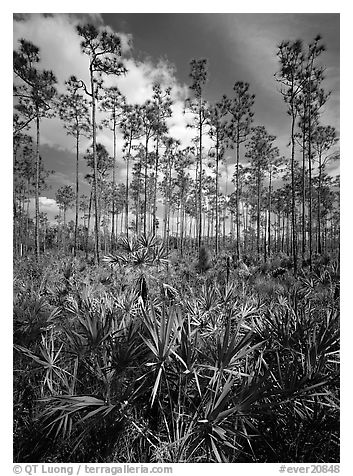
(227, 352)
(161, 339)
(49, 359)
(147, 241)
(65, 413)
(209, 298)
(129, 245)
(116, 259)
(141, 257)
(160, 255)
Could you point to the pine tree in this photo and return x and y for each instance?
(131, 127)
(73, 110)
(259, 149)
(35, 94)
(240, 109)
(198, 106)
(104, 51)
(113, 102)
(218, 133)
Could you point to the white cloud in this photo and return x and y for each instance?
(46, 205)
(58, 42)
(60, 52)
(47, 202)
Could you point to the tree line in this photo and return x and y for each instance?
(270, 204)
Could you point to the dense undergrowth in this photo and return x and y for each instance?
(150, 358)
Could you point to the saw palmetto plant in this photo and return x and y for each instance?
(143, 367)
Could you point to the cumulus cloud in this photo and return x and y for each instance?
(46, 205)
(137, 84)
(60, 52)
(58, 42)
(47, 202)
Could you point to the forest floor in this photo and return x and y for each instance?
(148, 358)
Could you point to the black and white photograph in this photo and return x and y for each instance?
(176, 240)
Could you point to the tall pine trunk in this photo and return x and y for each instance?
(36, 233)
(145, 190)
(95, 176)
(155, 188)
(137, 215)
(114, 174)
(237, 221)
(310, 177)
(319, 243)
(269, 215)
(64, 232)
(294, 238)
(89, 219)
(258, 212)
(127, 192)
(76, 202)
(303, 194)
(217, 217)
(200, 176)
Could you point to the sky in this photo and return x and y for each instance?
(233, 40)
(238, 46)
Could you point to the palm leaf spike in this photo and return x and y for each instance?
(128, 244)
(161, 340)
(147, 241)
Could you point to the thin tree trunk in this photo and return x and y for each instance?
(36, 238)
(278, 236)
(95, 176)
(310, 177)
(145, 181)
(303, 193)
(319, 244)
(127, 190)
(155, 188)
(165, 216)
(27, 217)
(217, 218)
(178, 224)
(182, 225)
(200, 175)
(64, 232)
(114, 174)
(208, 225)
(224, 227)
(269, 215)
(138, 200)
(294, 238)
(44, 239)
(237, 221)
(212, 220)
(287, 237)
(76, 201)
(245, 222)
(89, 219)
(264, 237)
(197, 199)
(258, 212)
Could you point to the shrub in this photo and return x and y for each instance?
(204, 262)
(139, 362)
